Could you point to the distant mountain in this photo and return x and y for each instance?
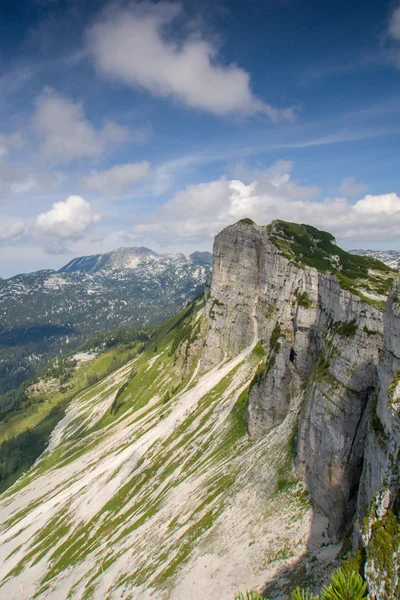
(389, 257)
(51, 311)
(122, 258)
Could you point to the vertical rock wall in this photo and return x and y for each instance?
(378, 510)
(322, 346)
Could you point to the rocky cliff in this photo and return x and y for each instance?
(315, 313)
(379, 495)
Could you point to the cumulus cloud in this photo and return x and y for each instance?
(394, 24)
(68, 220)
(350, 187)
(198, 212)
(386, 204)
(132, 45)
(117, 179)
(66, 134)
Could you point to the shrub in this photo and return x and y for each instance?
(348, 329)
(345, 586)
(247, 220)
(250, 595)
(299, 594)
(304, 300)
(258, 350)
(275, 335)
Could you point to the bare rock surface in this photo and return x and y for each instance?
(322, 344)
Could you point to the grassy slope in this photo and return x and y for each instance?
(307, 246)
(151, 467)
(25, 432)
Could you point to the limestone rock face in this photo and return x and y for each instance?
(379, 493)
(321, 345)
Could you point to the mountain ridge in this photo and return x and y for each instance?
(135, 251)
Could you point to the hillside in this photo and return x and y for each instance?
(47, 312)
(237, 448)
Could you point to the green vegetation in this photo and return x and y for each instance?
(128, 337)
(115, 406)
(369, 331)
(34, 410)
(348, 329)
(259, 350)
(355, 563)
(266, 365)
(183, 331)
(274, 340)
(392, 397)
(344, 585)
(247, 220)
(307, 246)
(376, 424)
(18, 453)
(251, 595)
(286, 476)
(383, 549)
(301, 594)
(304, 300)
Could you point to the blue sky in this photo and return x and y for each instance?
(159, 123)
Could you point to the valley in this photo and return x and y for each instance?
(48, 312)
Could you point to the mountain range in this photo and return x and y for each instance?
(389, 257)
(48, 312)
(253, 442)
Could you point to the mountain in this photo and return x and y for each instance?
(46, 312)
(252, 442)
(389, 257)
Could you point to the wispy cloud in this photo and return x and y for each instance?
(66, 134)
(118, 178)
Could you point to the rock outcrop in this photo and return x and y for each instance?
(321, 333)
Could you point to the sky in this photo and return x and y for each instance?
(158, 123)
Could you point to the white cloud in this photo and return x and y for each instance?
(24, 185)
(12, 141)
(117, 179)
(15, 179)
(131, 45)
(12, 231)
(66, 134)
(394, 24)
(68, 220)
(18, 180)
(349, 187)
(198, 212)
(383, 204)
